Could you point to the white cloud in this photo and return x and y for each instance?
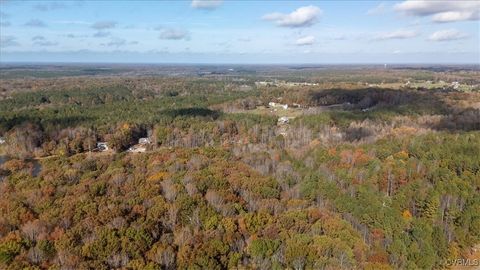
(379, 9)
(4, 16)
(447, 35)
(45, 43)
(104, 25)
(38, 38)
(72, 22)
(174, 34)
(49, 6)
(398, 34)
(307, 40)
(116, 42)
(441, 11)
(453, 16)
(8, 41)
(339, 37)
(244, 39)
(206, 4)
(35, 23)
(101, 34)
(301, 17)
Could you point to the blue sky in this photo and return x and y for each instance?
(240, 31)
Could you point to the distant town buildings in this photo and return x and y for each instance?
(440, 84)
(284, 83)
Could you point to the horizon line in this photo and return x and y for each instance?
(240, 63)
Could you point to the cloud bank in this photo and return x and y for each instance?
(206, 4)
(301, 17)
(398, 34)
(307, 40)
(447, 35)
(35, 23)
(8, 41)
(101, 25)
(441, 11)
(379, 9)
(174, 34)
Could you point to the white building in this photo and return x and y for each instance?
(277, 105)
(2, 140)
(263, 83)
(455, 85)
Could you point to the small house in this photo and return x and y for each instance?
(2, 140)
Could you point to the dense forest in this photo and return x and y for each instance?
(365, 173)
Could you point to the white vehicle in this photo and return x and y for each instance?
(102, 146)
(283, 120)
(144, 141)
